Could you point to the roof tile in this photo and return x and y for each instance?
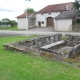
(56, 7)
(24, 15)
(66, 15)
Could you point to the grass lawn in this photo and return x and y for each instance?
(9, 28)
(17, 66)
(63, 37)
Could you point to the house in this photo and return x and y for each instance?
(48, 17)
(63, 22)
(23, 21)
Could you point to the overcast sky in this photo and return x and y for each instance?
(12, 8)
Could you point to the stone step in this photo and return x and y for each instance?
(52, 44)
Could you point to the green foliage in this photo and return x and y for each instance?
(30, 10)
(9, 28)
(13, 22)
(78, 13)
(7, 22)
(0, 22)
(63, 37)
(76, 4)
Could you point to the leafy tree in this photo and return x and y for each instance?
(76, 4)
(13, 22)
(30, 10)
(0, 22)
(5, 21)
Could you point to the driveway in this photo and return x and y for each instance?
(25, 33)
(42, 29)
(4, 33)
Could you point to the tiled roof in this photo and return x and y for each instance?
(24, 15)
(56, 7)
(66, 15)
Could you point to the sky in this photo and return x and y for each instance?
(13, 8)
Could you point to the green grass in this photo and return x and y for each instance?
(12, 28)
(17, 66)
(9, 28)
(63, 37)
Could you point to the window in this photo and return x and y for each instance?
(42, 22)
(49, 13)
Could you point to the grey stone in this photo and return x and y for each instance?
(68, 48)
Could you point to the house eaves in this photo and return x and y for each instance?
(25, 14)
(56, 8)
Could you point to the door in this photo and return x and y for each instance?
(39, 24)
(50, 21)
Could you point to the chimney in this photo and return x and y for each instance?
(67, 7)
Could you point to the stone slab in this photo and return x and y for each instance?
(53, 44)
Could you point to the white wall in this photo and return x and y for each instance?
(53, 14)
(63, 25)
(22, 22)
(42, 18)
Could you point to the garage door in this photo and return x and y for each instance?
(50, 21)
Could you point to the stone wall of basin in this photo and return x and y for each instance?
(73, 38)
(65, 51)
(33, 44)
(71, 47)
(74, 51)
(73, 41)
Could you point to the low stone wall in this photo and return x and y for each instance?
(72, 37)
(65, 51)
(74, 41)
(33, 44)
(68, 49)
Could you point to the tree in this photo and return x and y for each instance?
(30, 10)
(76, 4)
(0, 23)
(76, 8)
(5, 22)
(13, 22)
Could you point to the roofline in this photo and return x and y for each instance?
(62, 18)
(51, 11)
(62, 3)
(53, 4)
(25, 16)
(20, 17)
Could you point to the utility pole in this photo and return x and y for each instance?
(26, 1)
